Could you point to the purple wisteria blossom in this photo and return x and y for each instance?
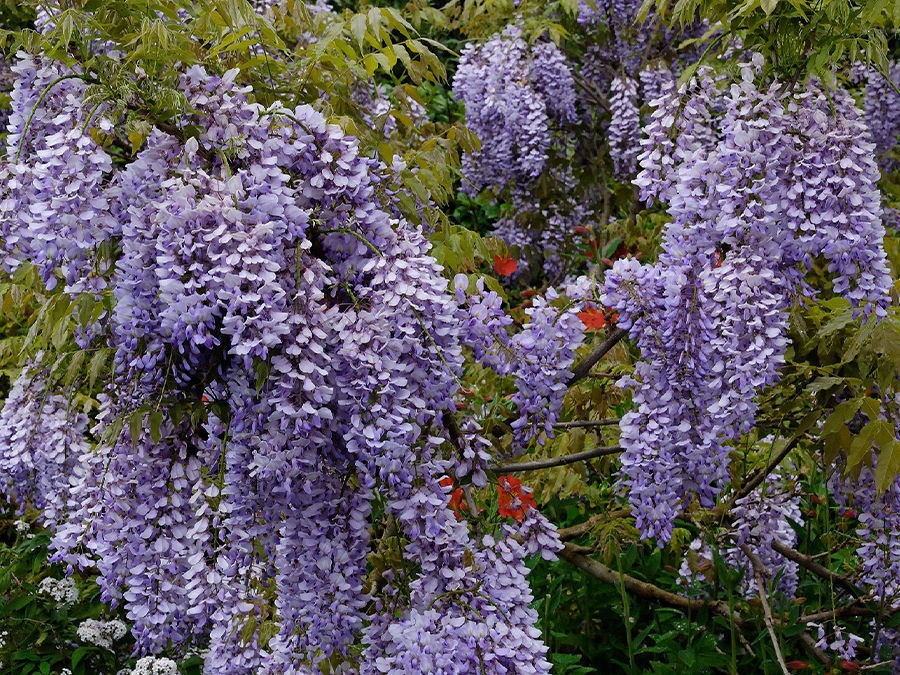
(264, 278)
(514, 93)
(711, 316)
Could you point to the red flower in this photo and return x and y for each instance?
(849, 666)
(592, 318)
(505, 266)
(797, 665)
(513, 502)
(455, 496)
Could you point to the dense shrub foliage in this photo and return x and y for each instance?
(492, 338)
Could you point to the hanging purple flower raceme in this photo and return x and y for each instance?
(881, 102)
(512, 93)
(41, 439)
(711, 316)
(544, 351)
(625, 126)
(451, 623)
(761, 519)
(262, 280)
(878, 529)
(48, 146)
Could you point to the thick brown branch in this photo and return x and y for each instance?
(642, 589)
(808, 563)
(810, 643)
(550, 462)
(582, 368)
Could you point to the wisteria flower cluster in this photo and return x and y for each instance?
(881, 102)
(263, 277)
(539, 356)
(514, 94)
(710, 317)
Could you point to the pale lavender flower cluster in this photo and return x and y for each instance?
(450, 623)
(759, 520)
(881, 102)
(260, 276)
(654, 80)
(539, 356)
(710, 317)
(513, 93)
(41, 440)
(623, 46)
(47, 146)
(624, 127)
(762, 518)
(484, 325)
(544, 352)
(542, 229)
(839, 643)
(878, 517)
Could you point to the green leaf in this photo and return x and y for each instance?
(249, 629)
(98, 361)
(888, 465)
(156, 419)
(842, 414)
(78, 655)
(861, 446)
(358, 28)
(823, 383)
(135, 424)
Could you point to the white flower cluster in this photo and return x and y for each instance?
(101, 633)
(62, 591)
(3, 635)
(22, 526)
(150, 665)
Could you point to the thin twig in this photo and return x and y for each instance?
(550, 462)
(586, 423)
(759, 570)
(760, 476)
